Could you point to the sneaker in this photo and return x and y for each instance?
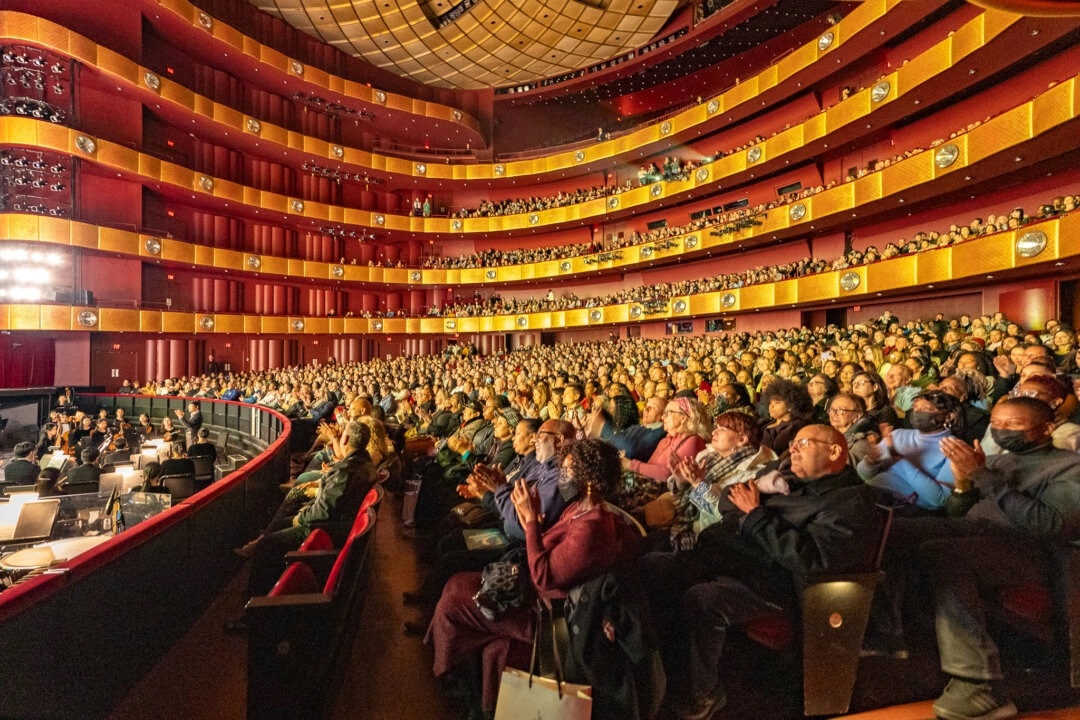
(968, 700)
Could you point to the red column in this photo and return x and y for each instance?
(150, 372)
(161, 371)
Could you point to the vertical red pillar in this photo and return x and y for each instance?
(161, 371)
(274, 355)
(177, 358)
(150, 371)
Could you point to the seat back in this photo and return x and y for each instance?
(627, 517)
(317, 539)
(204, 468)
(296, 580)
(180, 486)
(372, 499)
(351, 558)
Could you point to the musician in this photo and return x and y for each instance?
(83, 428)
(64, 406)
(120, 423)
(88, 471)
(146, 428)
(120, 452)
(100, 434)
(192, 422)
(49, 438)
(202, 447)
(48, 483)
(178, 463)
(169, 431)
(22, 470)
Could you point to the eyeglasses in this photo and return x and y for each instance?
(837, 410)
(861, 382)
(804, 442)
(674, 412)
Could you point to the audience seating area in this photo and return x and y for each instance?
(301, 632)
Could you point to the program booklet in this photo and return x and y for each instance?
(485, 539)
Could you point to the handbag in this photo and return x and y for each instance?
(527, 695)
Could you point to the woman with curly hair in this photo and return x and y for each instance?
(909, 464)
(687, 426)
(789, 407)
(586, 542)
(379, 447)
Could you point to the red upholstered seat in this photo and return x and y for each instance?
(296, 580)
(364, 521)
(372, 499)
(1031, 602)
(776, 632)
(318, 539)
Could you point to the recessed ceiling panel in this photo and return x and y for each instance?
(490, 42)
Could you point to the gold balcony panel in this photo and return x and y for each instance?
(149, 321)
(898, 273)
(178, 322)
(118, 320)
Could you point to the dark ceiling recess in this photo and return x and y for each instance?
(761, 27)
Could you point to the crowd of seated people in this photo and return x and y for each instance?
(656, 296)
(770, 447)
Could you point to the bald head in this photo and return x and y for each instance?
(818, 451)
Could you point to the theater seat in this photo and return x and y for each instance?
(1049, 613)
(296, 580)
(318, 539)
(835, 609)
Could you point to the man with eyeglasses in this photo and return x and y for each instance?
(776, 529)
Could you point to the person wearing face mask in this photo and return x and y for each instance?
(1004, 515)
(909, 464)
(1052, 391)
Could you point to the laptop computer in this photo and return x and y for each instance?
(35, 522)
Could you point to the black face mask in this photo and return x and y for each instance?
(924, 421)
(1015, 441)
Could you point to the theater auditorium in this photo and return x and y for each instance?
(462, 359)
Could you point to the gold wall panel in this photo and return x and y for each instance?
(53, 230)
(1054, 107)
(23, 227)
(836, 199)
(743, 92)
(396, 275)
(816, 287)
(431, 326)
(57, 317)
(466, 325)
(23, 317)
(541, 321)
(988, 254)
(502, 323)
(274, 324)
(919, 69)
(317, 325)
(204, 255)
(273, 265)
(966, 39)
(229, 323)
(178, 322)
(785, 141)
(252, 324)
(118, 320)
(394, 325)
(854, 108)
(899, 272)
(786, 292)
(149, 321)
(699, 304)
(150, 166)
(1004, 131)
(578, 317)
(1069, 230)
(178, 251)
(905, 175)
(126, 159)
(802, 57)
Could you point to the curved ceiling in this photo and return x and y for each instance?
(478, 43)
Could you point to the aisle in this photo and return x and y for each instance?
(389, 675)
